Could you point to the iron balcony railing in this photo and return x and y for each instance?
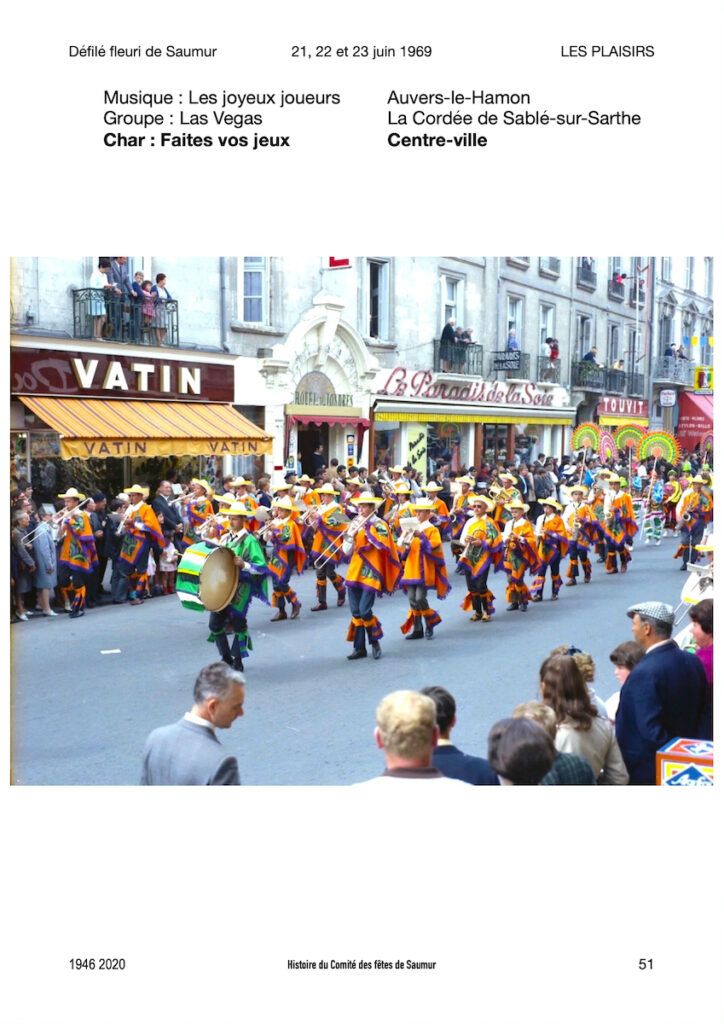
(616, 290)
(586, 278)
(615, 382)
(669, 369)
(588, 375)
(636, 384)
(510, 364)
(461, 357)
(115, 318)
(549, 370)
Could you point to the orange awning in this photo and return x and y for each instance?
(97, 428)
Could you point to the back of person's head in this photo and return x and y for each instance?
(563, 689)
(703, 614)
(586, 664)
(216, 680)
(538, 712)
(444, 707)
(520, 751)
(627, 655)
(407, 724)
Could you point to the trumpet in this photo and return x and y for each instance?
(262, 534)
(131, 510)
(208, 523)
(57, 519)
(338, 542)
(309, 515)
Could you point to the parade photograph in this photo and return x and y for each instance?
(242, 487)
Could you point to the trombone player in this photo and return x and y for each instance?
(581, 525)
(420, 547)
(482, 548)
(326, 552)
(77, 557)
(374, 568)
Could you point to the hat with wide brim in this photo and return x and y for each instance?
(285, 503)
(432, 486)
(552, 502)
(653, 610)
(325, 489)
(423, 505)
(506, 476)
(237, 509)
(402, 489)
(353, 481)
(72, 492)
(517, 504)
(366, 498)
(466, 480)
(484, 498)
(698, 480)
(281, 487)
(397, 469)
(580, 488)
(137, 489)
(241, 481)
(225, 499)
(202, 483)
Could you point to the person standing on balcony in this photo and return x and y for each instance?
(102, 288)
(121, 298)
(591, 356)
(669, 351)
(162, 297)
(512, 344)
(447, 344)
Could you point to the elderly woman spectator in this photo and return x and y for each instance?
(46, 565)
(25, 563)
(581, 729)
(702, 629)
(161, 297)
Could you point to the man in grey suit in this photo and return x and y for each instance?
(189, 753)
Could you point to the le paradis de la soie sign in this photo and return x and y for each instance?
(406, 383)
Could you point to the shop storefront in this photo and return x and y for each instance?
(695, 420)
(102, 419)
(420, 418)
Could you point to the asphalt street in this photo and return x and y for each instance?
(81, 713)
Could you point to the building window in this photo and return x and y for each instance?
(614, 267)
(666, 328)
(708, 277)
(634, 344)
(514, 324)
(666, 268)
(546, 326)
(690, 273)
(378, 299)
(255, 288)
(584, 334)
(453, 298)
(614, 338)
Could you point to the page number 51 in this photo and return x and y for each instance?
(646, 965)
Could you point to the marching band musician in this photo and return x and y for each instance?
(441, 514)
(482, 547)
(694, 512)
(402, 510)
(654, 510)
(459, 513)
(620, 526)
(288, 554)
(328, 530)
(374, 568)
(77, 558)
(253, 574)
(141, 531)
(582, 529)
(597, 502)
(503, 496)
(672, 496)
(552, 546)
(521, 555)
(352, 490)
(424, 569)
(304, 491)
(244, 491)
(196, 511)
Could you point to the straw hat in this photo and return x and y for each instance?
(203, 483)
(285, 503)
(397, 469)
(366, 498)
(325, 489)
(73, 493)
(698, 480)
(506, 476)
(517, 504)
(483, 498)
(305, 479)
(580, 488)
(136, 489)
(237, 509)
(402, 489)
(466, 480)
(225, 499)
(552, 502)
(432, 486)
(353, 481)
(281, 487)
(423, 505)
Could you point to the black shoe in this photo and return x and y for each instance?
(415, 636)
(76, 615)
(357, 654)
(341, 597)
(429, 633)
(683, 568)
(376, 651)
(524, 607)
(512, 608)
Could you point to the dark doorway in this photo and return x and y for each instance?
(309, 436)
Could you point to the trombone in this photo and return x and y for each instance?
(338, 542)
(57, 519)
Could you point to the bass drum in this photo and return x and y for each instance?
(207, 578)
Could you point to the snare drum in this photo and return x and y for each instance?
(207, 578)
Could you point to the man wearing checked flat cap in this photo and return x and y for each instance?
(665, 696)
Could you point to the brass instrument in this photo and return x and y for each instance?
(338, 542)
(262, 534)
(57, 519)
(130, 511)
(687, 517)
(208, 523)
(310, 514)
(409, 527)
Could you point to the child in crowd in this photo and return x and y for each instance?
(148, 304)
(167, 569)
